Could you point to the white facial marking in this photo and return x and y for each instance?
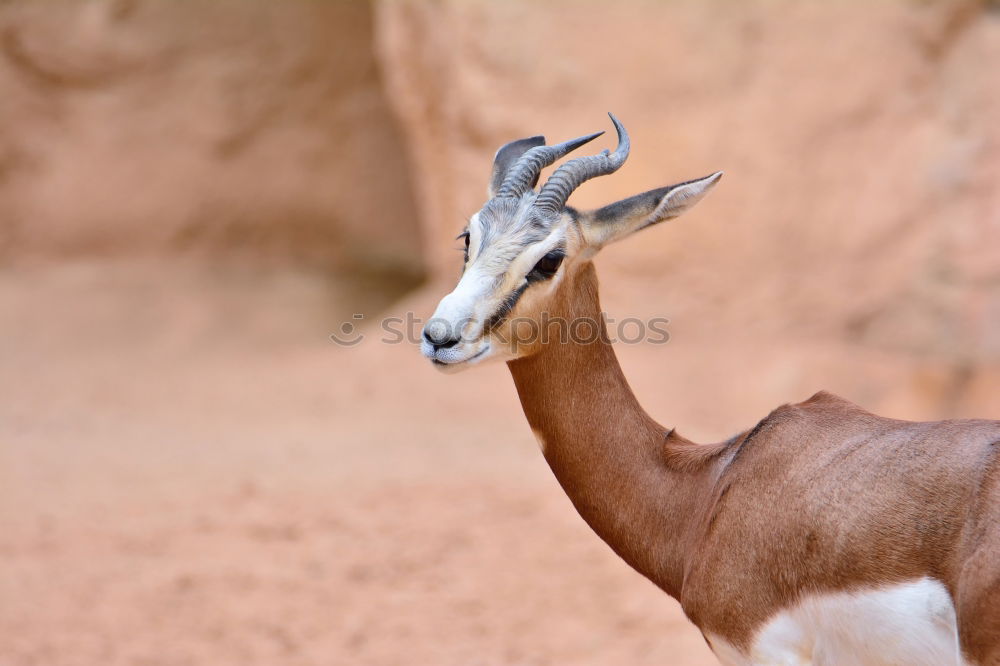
(909, 623)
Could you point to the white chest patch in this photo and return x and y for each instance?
(910, 623)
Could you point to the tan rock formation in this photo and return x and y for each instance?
(231, 127)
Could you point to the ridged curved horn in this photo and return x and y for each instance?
(524, 174)
(553, 195)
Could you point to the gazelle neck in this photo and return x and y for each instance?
(606, 452)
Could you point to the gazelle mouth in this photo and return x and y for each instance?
(482, 351)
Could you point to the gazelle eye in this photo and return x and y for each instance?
(546, 266)
(465, 235)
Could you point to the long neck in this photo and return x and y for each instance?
(605, 451)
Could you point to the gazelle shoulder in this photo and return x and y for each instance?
(681, 454)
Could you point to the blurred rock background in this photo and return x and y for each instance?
(193, 196)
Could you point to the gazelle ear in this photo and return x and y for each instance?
(618, 220)
(506, 157)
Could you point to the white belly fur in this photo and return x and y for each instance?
(910, 624)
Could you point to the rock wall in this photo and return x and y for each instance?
(860, 212)
(861, 149)
(136, 127)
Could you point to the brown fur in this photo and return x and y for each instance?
(819, 496)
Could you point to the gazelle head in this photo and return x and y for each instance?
(523, 247)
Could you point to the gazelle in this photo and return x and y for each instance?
(823, 535)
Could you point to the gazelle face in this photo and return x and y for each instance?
(522, 248)
(515, 261)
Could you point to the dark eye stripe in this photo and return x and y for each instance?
(505, 308)
(554, 261)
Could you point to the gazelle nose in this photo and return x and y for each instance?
(440, 343)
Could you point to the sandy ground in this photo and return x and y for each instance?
(186, 483)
